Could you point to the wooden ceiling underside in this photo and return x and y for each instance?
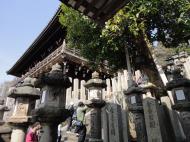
(98, 10)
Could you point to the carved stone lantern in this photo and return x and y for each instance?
(3, 108)
(25, 96)
(95, 86)
(180, 91)
(180, 88)
(5, 130)
(134, 96)
(51, 110)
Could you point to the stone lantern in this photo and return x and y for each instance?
(51, 110)
(134, 96)
(180, 88)
(3, 108)
(180, 91)
(5, 130)
(25, 96)
(95, 86)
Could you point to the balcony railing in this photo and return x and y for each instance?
(55, 57)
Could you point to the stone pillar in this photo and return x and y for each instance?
(105, 133)
(52, 110)
(134, 103)
(151, 114)
(25, 95)
(69, 96)
(76, 90)
(114, 120)
(82, 91)
(180, 92)
(176, 128)
(95, 86)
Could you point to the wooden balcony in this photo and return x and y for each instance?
(57, 56)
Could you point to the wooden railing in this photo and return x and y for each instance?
(46, 64)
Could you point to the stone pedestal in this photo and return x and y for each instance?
(18, 133)
(134, 104)
(5, 133)
(51, 110)
(49, 132)
(95, 126)
(25, 95)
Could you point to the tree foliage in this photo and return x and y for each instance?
(166, 21)
(84, 34)
(136, 25)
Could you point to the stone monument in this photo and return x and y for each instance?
(51, 110)
(25, 96)
(151, 114)
(5, 130)
(95, 86)
(180, 92)
(134, 103)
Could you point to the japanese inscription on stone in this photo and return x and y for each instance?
(152, 120)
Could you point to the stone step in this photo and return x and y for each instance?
(69, 137)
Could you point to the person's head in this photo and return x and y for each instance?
(36, 126)
(80, 104)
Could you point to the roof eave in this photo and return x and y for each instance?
(11, 71)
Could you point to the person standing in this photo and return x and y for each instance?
(70, 118)
(32, 133)
(81, 129)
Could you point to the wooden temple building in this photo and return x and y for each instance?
(50, 48)
(134, 106)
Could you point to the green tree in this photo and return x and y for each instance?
(140, 18)
(84, 34)
(136, 25)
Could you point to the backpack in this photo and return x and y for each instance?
(77, 123)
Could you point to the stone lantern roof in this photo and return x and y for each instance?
(95, 81)
(25, 89)
(181, 82)
(134, 89)
(178, 80)
(55, 77)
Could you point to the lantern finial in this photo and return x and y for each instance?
(95, 75)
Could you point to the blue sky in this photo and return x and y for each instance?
(21, 21)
